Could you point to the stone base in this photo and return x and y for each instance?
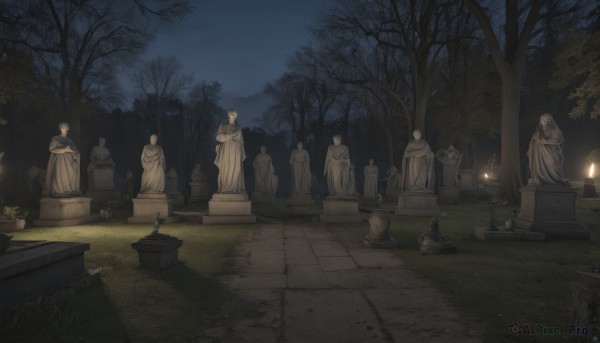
(177, 199)
(262, 198)
(157, 250)
(369, 203)
(467, 178)
(550, 209)
(340, 211)
(417, 204)
(229, 209)
(100, 197)
(589, 188)
(448, 195)
(391, 196)
(198, 191)
(65, 212)
(485, 234)
(145, 206)
(31, 267)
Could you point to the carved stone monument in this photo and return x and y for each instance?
(100, 171)
(434, 242)
(548, 201)
(416, 197)
(152, 197)
(450, 159)
(370, 196)
(301, 179)
(62, 203)
(379, 230)
(230, 203)
(265, 180)
(172, 187)
(341, 206)
(198, 184)
(157, 250)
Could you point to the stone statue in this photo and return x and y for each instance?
(450, 158)
(265, 179)
(300, 163)
(153, 162)
(62, 173)
(100, 159)
(394, 179)
(230, 155)
(417, 166)
(337, 170)
(198, 175)
(172, 181)
(434, 242)
(545, 154)
(156, 223)
(371, 176)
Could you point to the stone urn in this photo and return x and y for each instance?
(379, 230)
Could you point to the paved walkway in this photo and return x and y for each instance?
(305, 283)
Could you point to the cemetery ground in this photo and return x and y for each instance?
(489, 284)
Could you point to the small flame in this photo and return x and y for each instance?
(486, 175)
(591, 172)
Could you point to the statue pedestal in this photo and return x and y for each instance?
(262, 198)
(65, 212)
(417, 204)
(448, 195)
(229, 209)
(198, 191)
(550, 209)
(466, 180)
(157, 250)
(340, 211)
(369, 203)
(145, 206)
(177, 199)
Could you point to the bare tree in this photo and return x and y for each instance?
(77, 43)
(159, 82)
(521, 24)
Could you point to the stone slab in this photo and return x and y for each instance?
(265, 266)
(306, 276)
(329, 264)
(417, 204)
(300, 255)
(328, 248)
(330, 316)
(467, 179)
(550, 209)
(369, 258)
(258, 281)
(33, 269)
(485, 234)
(369, 278)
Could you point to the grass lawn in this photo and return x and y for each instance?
(131, 303)
(495, 284)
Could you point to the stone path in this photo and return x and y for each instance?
(307, 283)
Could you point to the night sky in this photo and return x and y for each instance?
(242, 44)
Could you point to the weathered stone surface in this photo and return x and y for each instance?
(417, 204)
(146, 205)
(340, 211)
(306, 276)
(65, 212)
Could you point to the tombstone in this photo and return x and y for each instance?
(449, 190)
(379, 230)
(62, 203)
(341, 206)
(101, 169)
(157, 250)
(416, 197)
(230, 204)
(152, 197)
(198, 184)
(548, 200)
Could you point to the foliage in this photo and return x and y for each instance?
(12, 213)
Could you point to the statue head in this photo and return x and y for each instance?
(263, 149)
(370, 161)
(101, 141)
(153, 139)
(64, 128)
(337, 139)
(546, 119)
(417, 134)
(197, 166)
(300, 145)
(232, 115)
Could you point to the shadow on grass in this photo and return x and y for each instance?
(86, 315)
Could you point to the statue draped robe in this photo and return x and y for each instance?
(62, 172)
(230, 155)
(337, 170)
(371, 175)
(300, 162)
(417, 167)
(265, 179)
(153, 162)
(546, 157)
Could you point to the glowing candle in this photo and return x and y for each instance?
(591, 172)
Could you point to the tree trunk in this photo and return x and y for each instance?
(510, 168)
(420, 105)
